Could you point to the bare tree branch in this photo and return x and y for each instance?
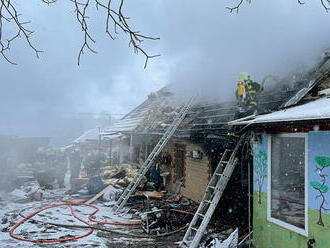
(9, 16)
(48, 1)
(325, 4)
(119, 21)
(235, 8)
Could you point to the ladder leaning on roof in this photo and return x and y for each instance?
(213, 193)
(129, 190)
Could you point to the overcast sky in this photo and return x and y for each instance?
(202, 45)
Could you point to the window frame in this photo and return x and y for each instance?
(281, 223)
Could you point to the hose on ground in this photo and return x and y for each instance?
(88, 225)
(29, 217)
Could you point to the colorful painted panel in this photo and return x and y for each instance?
(319, 170)
(270, 235)
(260, 165)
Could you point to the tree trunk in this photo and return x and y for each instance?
(259, 201)
(320, 221)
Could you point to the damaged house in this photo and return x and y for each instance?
(225, 172)
(291, 159)
(194, 151)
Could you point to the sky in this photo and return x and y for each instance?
(203, 47)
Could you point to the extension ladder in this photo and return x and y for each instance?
(129, 190)
(213, 193)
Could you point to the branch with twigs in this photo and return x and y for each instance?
(114, 18)
(119, 22)
(235, 8)
(325, 4)
(9, 16)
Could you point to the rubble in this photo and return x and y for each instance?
(112, 194)
(58, 223)
(122, 174)
(222, 240)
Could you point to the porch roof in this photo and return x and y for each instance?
(315, 110)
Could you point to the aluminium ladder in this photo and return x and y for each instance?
(213, 193)
(129, 190)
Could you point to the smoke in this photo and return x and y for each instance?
(207, 46)
(203, 49)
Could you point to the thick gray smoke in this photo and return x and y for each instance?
(203, 48)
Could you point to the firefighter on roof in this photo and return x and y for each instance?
(253, 88)
(241, 89)
(246, 92)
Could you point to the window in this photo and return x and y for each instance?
(287, 181)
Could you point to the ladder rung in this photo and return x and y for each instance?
(159, 146)
(201, 215)
(195, 229)
(213, 197)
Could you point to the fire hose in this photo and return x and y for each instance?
(88, 225)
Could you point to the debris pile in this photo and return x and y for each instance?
(120, 175)
(157, 118)
(226, 239)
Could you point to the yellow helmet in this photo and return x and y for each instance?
(243, 76)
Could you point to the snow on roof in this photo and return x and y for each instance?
(315, 110)
(130, 122)
(92, 134)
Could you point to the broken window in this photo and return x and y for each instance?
(287, 196)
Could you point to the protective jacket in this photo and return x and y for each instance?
(254, 87)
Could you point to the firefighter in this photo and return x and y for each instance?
(252, 89)
(241, 89)
(93, 162)
(60, 165)
(75, 164)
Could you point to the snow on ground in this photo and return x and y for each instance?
(16, 203)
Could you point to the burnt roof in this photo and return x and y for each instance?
(211, 118)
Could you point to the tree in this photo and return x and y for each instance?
(10, 16)
(322, 163)
(260, 168)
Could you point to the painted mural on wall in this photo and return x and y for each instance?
(319, 170)
(268, 234)
(260, 166)
(320, 186)
(260, 169)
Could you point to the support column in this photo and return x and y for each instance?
(131, 148)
